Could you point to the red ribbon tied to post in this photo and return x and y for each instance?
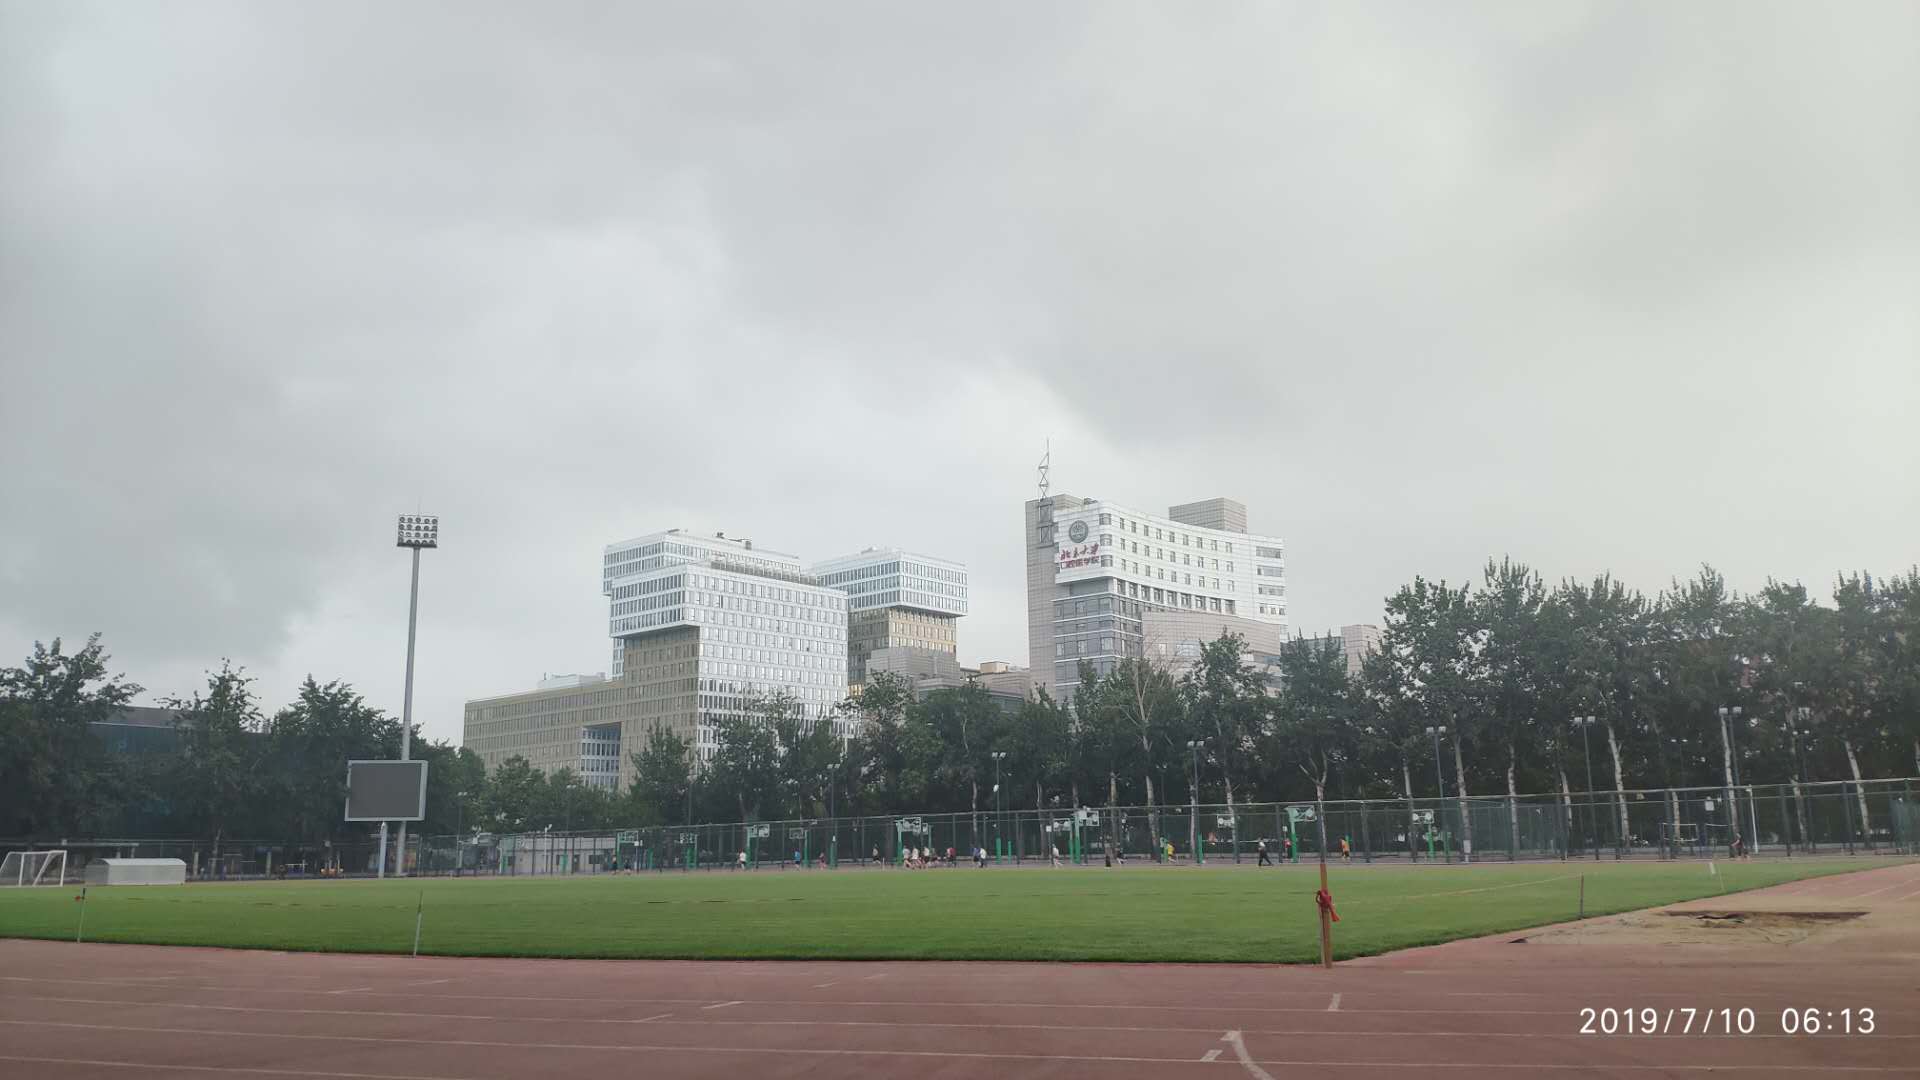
(1325, 900)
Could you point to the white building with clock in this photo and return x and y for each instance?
(1095, 569)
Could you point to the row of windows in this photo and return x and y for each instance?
(1132, 547)
(1170, 535)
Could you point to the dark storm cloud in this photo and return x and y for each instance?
(1618, 285)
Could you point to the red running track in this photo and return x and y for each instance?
(1487, 1007)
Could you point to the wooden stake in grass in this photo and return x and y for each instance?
(1583, 896)
(1325, 902)
(418, 911)
(81, 928)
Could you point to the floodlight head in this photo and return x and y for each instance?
(1723, 712)
(419, 531)
(1737, 710)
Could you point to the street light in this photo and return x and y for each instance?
(1729, 717)
(1193, 801)
(417, 531)
(1799, 722)
(1439, 779)
(1586, 751)
(998, 757)
(460, 810)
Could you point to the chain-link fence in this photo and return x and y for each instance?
(1776, 821)
(1784, 820)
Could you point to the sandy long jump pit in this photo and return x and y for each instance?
(1711, 986)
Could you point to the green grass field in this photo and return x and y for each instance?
(1140, 913)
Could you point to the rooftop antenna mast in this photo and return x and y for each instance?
(1046, 463)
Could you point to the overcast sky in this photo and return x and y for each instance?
(1606, 287)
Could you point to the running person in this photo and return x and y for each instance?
(1264, 861)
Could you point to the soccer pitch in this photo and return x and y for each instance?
(1140, 913)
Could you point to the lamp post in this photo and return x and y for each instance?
(417, 531)
(1439, 778)
(1586, 751)
(460, 828)
(998, 839)
(1729, 717)
(1798, 718)
(1193, 802)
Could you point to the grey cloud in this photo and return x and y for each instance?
(1621, 286)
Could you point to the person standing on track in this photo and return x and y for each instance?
(1264, 861)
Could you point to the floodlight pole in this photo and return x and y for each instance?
(416, 532)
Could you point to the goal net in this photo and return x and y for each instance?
(34, 868)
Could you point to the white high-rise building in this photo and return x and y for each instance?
(896, 599)
(1095, 568)
(739, 622)
(704, 625)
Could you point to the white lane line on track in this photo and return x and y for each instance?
(1311, 1032)
(351, 990)
(1823, 1069)
(1899, 883)
(1246, 1060)
(240, 1070)
(1334, 1005)
(720, 1004)
(1211, 1055)
(824, 985)
(912, 1003)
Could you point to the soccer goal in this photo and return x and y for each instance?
(34, 868)
(1679, 835)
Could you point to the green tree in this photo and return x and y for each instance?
(514, 795)
(1228, 705)
(745, 771)
(662, 778)
(308, 745)
(54, 773)
(456, 787)
(217, 777)
(1315, 714)
(1507, 615)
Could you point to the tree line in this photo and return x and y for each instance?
(1824, 691)
(233, 770)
